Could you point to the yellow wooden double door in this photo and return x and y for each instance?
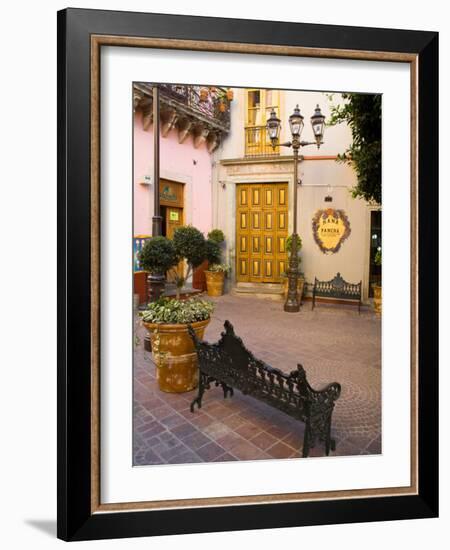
(261, 232)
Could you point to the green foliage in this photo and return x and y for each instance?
(362, 112)
(225, 268)
(216, 235)
(289, 247)
(158, 255)
(212, 252)
(189, 243)
(289, 243)
(377, 258)
(172, 311)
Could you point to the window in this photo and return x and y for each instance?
(259, 104)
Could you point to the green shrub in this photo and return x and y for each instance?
(377, 258)
(158, 255)
(189, 243)
(172, 311)
(212, 252)
(289, 243)
(216, 235)
(225, 268)
(362, 113)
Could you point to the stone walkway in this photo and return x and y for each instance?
(333, 343)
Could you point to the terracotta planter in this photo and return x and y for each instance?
(198, 277)
(377, 298)
(174, 355)
(300, 287)
(214, 282)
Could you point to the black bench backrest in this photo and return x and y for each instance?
(337, 288)
(231, 362)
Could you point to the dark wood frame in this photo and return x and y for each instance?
(81, 33)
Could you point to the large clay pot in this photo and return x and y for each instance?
(377, 298)
(214, 282)
(174, 355)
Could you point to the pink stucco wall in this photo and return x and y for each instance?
(178, 162)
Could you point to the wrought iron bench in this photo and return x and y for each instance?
(229, 364)
(338, 289)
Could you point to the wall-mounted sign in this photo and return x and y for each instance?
(167, 193)
(330, 229)
(174, 216)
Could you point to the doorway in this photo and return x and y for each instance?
(171, 198)
(375, 244)
(261, 232)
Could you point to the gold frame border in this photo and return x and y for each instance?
(97, 41)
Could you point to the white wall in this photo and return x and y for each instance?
(28, 402)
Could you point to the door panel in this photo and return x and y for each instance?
(262, 217)
(174, 219)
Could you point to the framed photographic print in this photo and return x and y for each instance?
(247, 274)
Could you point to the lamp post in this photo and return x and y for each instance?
(296, 124)
(156, 281)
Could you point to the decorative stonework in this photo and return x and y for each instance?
(181, 112)
(330, 229)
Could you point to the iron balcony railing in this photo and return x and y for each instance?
(257, 144)
(216, 109)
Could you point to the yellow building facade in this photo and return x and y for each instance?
(253, 189)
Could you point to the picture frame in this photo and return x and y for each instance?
(81, 35)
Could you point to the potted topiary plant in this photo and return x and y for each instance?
(377, 305)
(173, 350)
(190, 245)
(198, 276)
(217, 271)
(158, 255)
(301, 278)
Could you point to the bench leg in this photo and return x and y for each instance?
(305, 452)
(226, 390)
(306, 441)
(202, 385)
(329, 443)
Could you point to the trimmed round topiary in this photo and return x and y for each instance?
(190, 244)
(212, 252)
(158, 255)
(216, 235)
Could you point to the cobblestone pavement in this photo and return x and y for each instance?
(333, 343)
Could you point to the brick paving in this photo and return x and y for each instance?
(333, 343)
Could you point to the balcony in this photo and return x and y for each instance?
(182, 108)
(257, 143)
(189, 96)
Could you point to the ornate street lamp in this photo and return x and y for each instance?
(296, 124)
